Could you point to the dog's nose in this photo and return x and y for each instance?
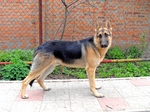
(104, 45)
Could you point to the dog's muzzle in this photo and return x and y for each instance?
(104, 44)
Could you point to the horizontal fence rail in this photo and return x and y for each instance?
(104, 61)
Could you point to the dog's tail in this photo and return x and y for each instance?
(31, 83)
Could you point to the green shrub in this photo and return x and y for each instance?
(77, 72)
(128, 53)
(25, 55)
(133, 52)
(144, 68)
(128, 69)
(115, 53)
(16, 71)
(4, 56)
(56, 71)
(80, 73)
(143, 39)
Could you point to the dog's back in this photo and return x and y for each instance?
(66, 51)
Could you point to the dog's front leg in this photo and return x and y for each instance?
(91, 76)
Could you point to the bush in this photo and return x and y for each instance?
(18, 69)
(25, 55)
(4, 56)
(15, 71)
(128, 69)
(77, 72)
(118, 53)
(115, 53)
(133, 52)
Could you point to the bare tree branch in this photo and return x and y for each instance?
(72, 3)
(77, 5)
(63, 1)
(64, 21)
(66, 15)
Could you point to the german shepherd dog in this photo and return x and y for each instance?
(86, 53)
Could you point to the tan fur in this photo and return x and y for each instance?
(91, 58)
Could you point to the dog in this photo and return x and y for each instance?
(86, 53)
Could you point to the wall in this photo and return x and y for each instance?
(18, 24)
(19, 21)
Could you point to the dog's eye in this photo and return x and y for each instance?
(106, 35)
(100, 36)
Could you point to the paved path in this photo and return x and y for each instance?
(74, 96)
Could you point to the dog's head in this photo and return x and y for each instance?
(103, 35)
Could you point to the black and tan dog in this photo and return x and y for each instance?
(86, 53)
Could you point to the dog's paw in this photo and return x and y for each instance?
(96, 94)
(25, 96)
(47, 89)
(99, 96)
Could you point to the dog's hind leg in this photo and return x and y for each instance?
(29, 78)
(43, 76)
(91, 75)
(39, 65)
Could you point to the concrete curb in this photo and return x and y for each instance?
(82, 80)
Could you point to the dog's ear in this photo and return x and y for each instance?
(108, 25)
(97, 26)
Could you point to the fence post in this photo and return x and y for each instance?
(40, 23)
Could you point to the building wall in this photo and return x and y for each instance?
(19, 21)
